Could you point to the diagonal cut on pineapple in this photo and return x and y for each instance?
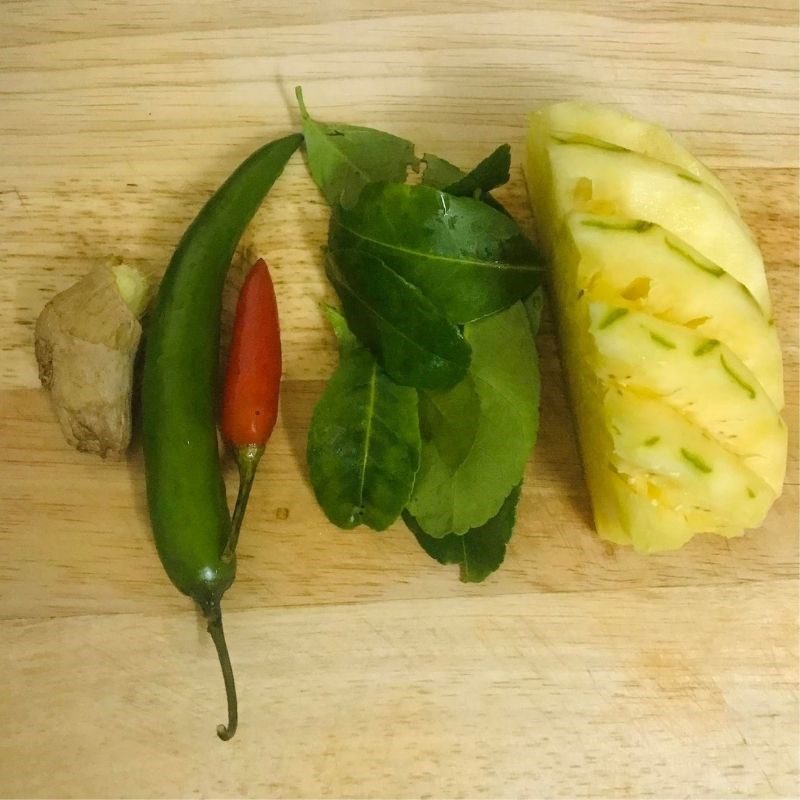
(664, 276)
(699, 377)
(583, 175)
(672, 359)
(616, 127)
(684, 469)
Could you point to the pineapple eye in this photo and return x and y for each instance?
(583, 191)
(654, 492)
(637, 289)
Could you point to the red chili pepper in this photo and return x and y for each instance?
(252, 382)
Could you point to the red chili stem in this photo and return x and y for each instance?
(247, 459)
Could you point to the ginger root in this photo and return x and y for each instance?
(86, 342)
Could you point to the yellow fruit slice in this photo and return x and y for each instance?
(698, 377)
(664, 458)
(575, 173)
(653, 270)
(623, 130)
(656, 480)
(663, 312)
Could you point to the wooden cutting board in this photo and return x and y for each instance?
(364, 668)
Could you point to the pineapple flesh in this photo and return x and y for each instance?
(699, 377)
(672, 359)
(664, 276)
(585, 177)
(615, 127)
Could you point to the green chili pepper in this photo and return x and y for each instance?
(185, 487)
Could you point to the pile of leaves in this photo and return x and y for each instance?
(432, 411)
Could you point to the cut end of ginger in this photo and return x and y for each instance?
(134, 288)
(86, 342)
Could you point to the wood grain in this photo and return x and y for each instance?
(479, 697)
(365, 669)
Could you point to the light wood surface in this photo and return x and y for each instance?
(364, 668)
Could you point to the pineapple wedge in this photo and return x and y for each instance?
(672, 360)
(699, 377)
(570, 172)
(682, 468)
(655, 490)
(666, 277)
(621, 129)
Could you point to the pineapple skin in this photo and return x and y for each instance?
(649, 500)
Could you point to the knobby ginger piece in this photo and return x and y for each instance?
(87, 338)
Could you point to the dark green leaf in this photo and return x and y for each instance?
(364, 442)
(467, 258)
(480, 551)
(345, 158)
(492, 172)
(440, 173)
(414, 343)
(478, 435)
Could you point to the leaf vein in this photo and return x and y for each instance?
(400, 332)
(367, 434)
(461, 260)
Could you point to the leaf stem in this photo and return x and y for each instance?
(298, 93)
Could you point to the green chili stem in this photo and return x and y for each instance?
(247, 459)
(214, 627)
